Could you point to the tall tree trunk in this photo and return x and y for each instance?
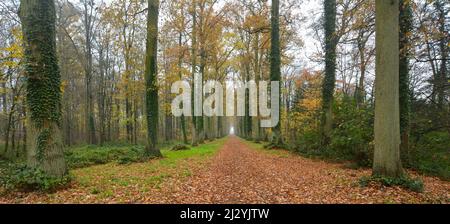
(10, 114)
(13, 139)
(3, 96)
(201, 119)
(195, 135)
(45, 147)
(443, 45)
(24, 136)
(387, 120)
(117, 120)
(151, 78)
(180, 75)
(128, 100)
(8, 130)
(167, 117)
(360, 92)
(275, 63)
(90, 122)
(135, 121)
(128, 117)
(330, 69)
(101, 97)
(256, 124)
(247, 118)
(404, 47)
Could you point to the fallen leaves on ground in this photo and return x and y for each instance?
(236, 174)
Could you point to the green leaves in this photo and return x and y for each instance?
(415, 185)
(23, 178)
(42, 143)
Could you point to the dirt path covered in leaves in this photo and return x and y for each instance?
(242, 174)
(239, 172)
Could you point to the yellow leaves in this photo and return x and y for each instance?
(13, 53)
(9, 63)
(167, 108)
(305, 117)
(256, 22)
(311, 104)
(3, 90)
(239, 45)
(63, 86)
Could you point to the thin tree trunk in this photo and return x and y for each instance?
(24, 137)
(195, 137)
(443, 45)
(201, 119)
(8, 129)
(90, 122)
(180, 75)
(360, 92)
(405, 29)
(3, 87)
(256, 124)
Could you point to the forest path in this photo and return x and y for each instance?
(240, 173)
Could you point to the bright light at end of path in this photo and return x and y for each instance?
(232, 131)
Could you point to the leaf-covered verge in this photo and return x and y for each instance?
(114, 173)
(357, 185)
(406, 182)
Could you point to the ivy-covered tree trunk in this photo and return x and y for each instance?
(330, 69)
(43, 94)
(387, 120)
(405, 29)
(275, 63)
(151, 79)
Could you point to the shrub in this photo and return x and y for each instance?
(353, 132)
(180, 147)
(431, 155)
(351, 138)
(406, 182)
(88, 156)
(308, 142)
(132, 156)
(23, 178)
